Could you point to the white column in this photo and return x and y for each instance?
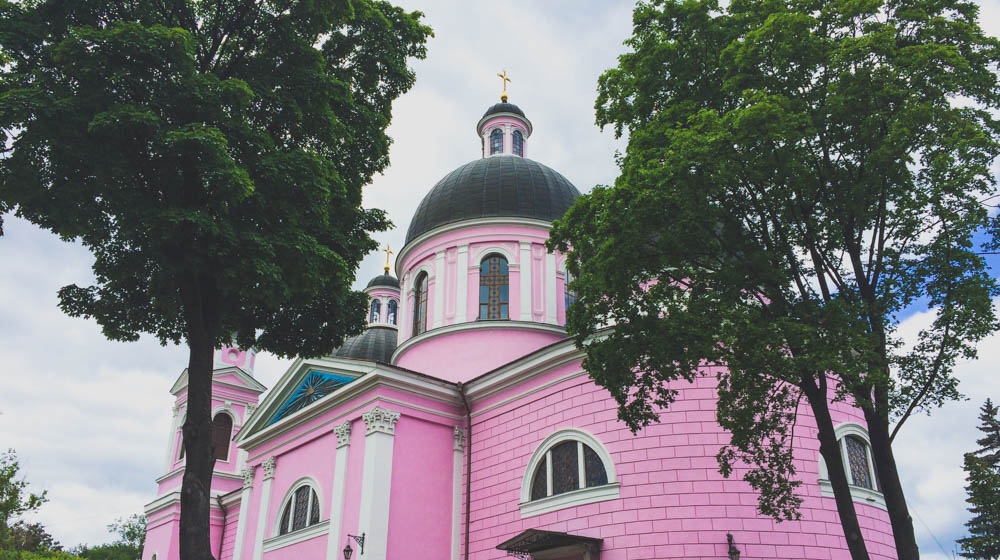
(373, 519)
(525, 267)
(439, 275)
(265, 504)
(462, 284)
(550, 288)
(343, 432)
(171, 452)
(456, 494)
(241, 524)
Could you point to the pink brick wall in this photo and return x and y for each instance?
(673, 502)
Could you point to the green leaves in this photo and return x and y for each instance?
(983, 469)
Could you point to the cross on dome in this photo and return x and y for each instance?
(503, 76)
(387, 252)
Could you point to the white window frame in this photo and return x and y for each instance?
(859, 494)
(609, 491)
(233, 417)
(289, 499)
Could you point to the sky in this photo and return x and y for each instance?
(89, 417)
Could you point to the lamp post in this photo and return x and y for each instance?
(348, 551)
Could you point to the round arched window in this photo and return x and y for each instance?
(420, 304)
(570, 468)
(301, 510)
(222, 433)
(518, 143)
(496, 141)
(375, 311)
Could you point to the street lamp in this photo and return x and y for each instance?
(348, 551)
(734, 553)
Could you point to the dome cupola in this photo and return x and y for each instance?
(504, 129)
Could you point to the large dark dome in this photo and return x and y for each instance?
(375, 344)
(497, 186)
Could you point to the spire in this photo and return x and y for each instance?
(387, 252)
(503, 76)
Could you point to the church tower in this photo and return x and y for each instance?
(235, 395)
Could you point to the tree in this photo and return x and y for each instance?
(797, 174)
(983, 469)
(15, 500)
(131, 531)
(32, 537)
(211, 154)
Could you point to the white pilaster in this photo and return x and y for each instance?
(438, 289)
(336, 510)
(462, 284)
(265, 504)
(550, 289)
(172, 440)
(241, 524)
(525, 267)
(456, 494)
(373, 519)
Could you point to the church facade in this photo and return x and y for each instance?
(461, 424)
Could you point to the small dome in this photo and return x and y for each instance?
(498, 186)
(504, 108)
(386, 280)
(375, 344)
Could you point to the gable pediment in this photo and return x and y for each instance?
(228, 376)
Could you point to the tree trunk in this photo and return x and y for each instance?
(195, 538)
(889, 485)
(830, 450)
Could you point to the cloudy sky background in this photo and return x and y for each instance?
(89, 417)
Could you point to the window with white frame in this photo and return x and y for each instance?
(856, 453)
(569, 468)
(300, 510)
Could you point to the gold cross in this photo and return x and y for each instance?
(387, 253)
(503, 96)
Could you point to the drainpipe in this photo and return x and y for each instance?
(468, 465)
(222, 534)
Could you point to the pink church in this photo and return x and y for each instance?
(461, 424)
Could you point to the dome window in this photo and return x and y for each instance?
(518, 143)
(420, 304)
(496, 141)
(376, 310)
(494, 289)
(391, 313)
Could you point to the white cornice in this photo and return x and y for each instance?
(475, 325)
(180, 469)
(463, 224)
(491, 116)
(303, 534)
(251, 383)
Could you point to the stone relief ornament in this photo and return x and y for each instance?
(379, 419)
(343, 432)
(268, 465)
(459, 439)
(247, 475)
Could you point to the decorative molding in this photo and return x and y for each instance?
(381, 420)
(569, 499)
(269, 465)
(250, 409)
(303, 534)
(469, 325)
(473, 237)
(176, 410)
(343, 432)
(247, 475)
(459, 437)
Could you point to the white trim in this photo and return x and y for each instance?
(456, 492)
(439, 295)
(303, 534)
(339, 491)
(252, 384)
(482, 253)
(569, 499)
(233, 417)
(584, 495)
(550, 288)
(241, 523)
(525, 272)
(462, 283)
(289, 495)
(376, 479)
(515, 116)
(472, 236)
(262, 510)
(859, 494)
(470, 325)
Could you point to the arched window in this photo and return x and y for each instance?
(496, 141)
(518, 143)
(392, 311)
(376, 309)
(569, 295)
(222, 433)
(856, 453)
(420, 304)
(569, 468)
(301, 509)
(494, 289)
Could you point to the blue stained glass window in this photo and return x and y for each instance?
(493, 288)
(569, 296)
(314, 387)
(496, 141)
(518, 143)
(376, 309)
